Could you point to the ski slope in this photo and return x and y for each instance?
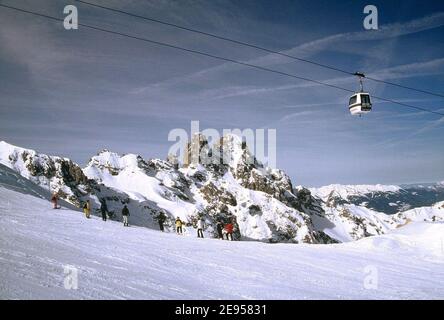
(114, 262)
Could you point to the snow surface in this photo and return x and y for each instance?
(114, 262)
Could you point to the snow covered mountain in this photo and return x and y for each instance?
(348, 191)
(261, 202)
(358, 211)
(37, 244)
(66, 178)
(383, 198)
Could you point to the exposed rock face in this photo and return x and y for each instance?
(169, 176)
(305, 202)
(248, 170)
(196, 150)
(218, 196)
(72, 174)
(231, 160)
(55, 174)
(173, 160)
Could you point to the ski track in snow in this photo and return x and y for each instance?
(114, 262)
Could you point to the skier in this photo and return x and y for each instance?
(125, 214)
(87, 209)
(179, 225)
(219, 227)
(200, 225)
(54, 199)
(103, 209)
(161, 220)
(229, 230)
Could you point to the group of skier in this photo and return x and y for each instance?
(87, 209)
(104, 211)
(223, 230)
(199, 224)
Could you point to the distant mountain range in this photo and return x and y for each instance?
(383, 198)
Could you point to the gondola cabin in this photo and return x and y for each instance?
(360, 103)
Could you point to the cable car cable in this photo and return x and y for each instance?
(214, 57)
(256, 47)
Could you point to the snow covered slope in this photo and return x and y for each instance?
(49, 172)
(65, 177)
(136, 178)
(350, 222)
(431, 214)
(114, 262)
(10, 179)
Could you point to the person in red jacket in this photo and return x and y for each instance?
(54, 199)
(229, 231)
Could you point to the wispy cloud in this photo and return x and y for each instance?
(411, 70)
(309, 49)
(406, 138)
(415, 69)
(385, 31)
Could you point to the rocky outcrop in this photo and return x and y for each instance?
(196, 150)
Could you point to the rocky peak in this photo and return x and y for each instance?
(196, 151)
(250, 172)
(230, 150)
(306, 202)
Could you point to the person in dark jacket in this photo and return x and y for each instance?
(125, 214)
(161, 220)
(103, 209)
(219, 227)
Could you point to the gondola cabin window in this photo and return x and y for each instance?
(352, 100)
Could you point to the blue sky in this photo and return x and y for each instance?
(73, 93)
